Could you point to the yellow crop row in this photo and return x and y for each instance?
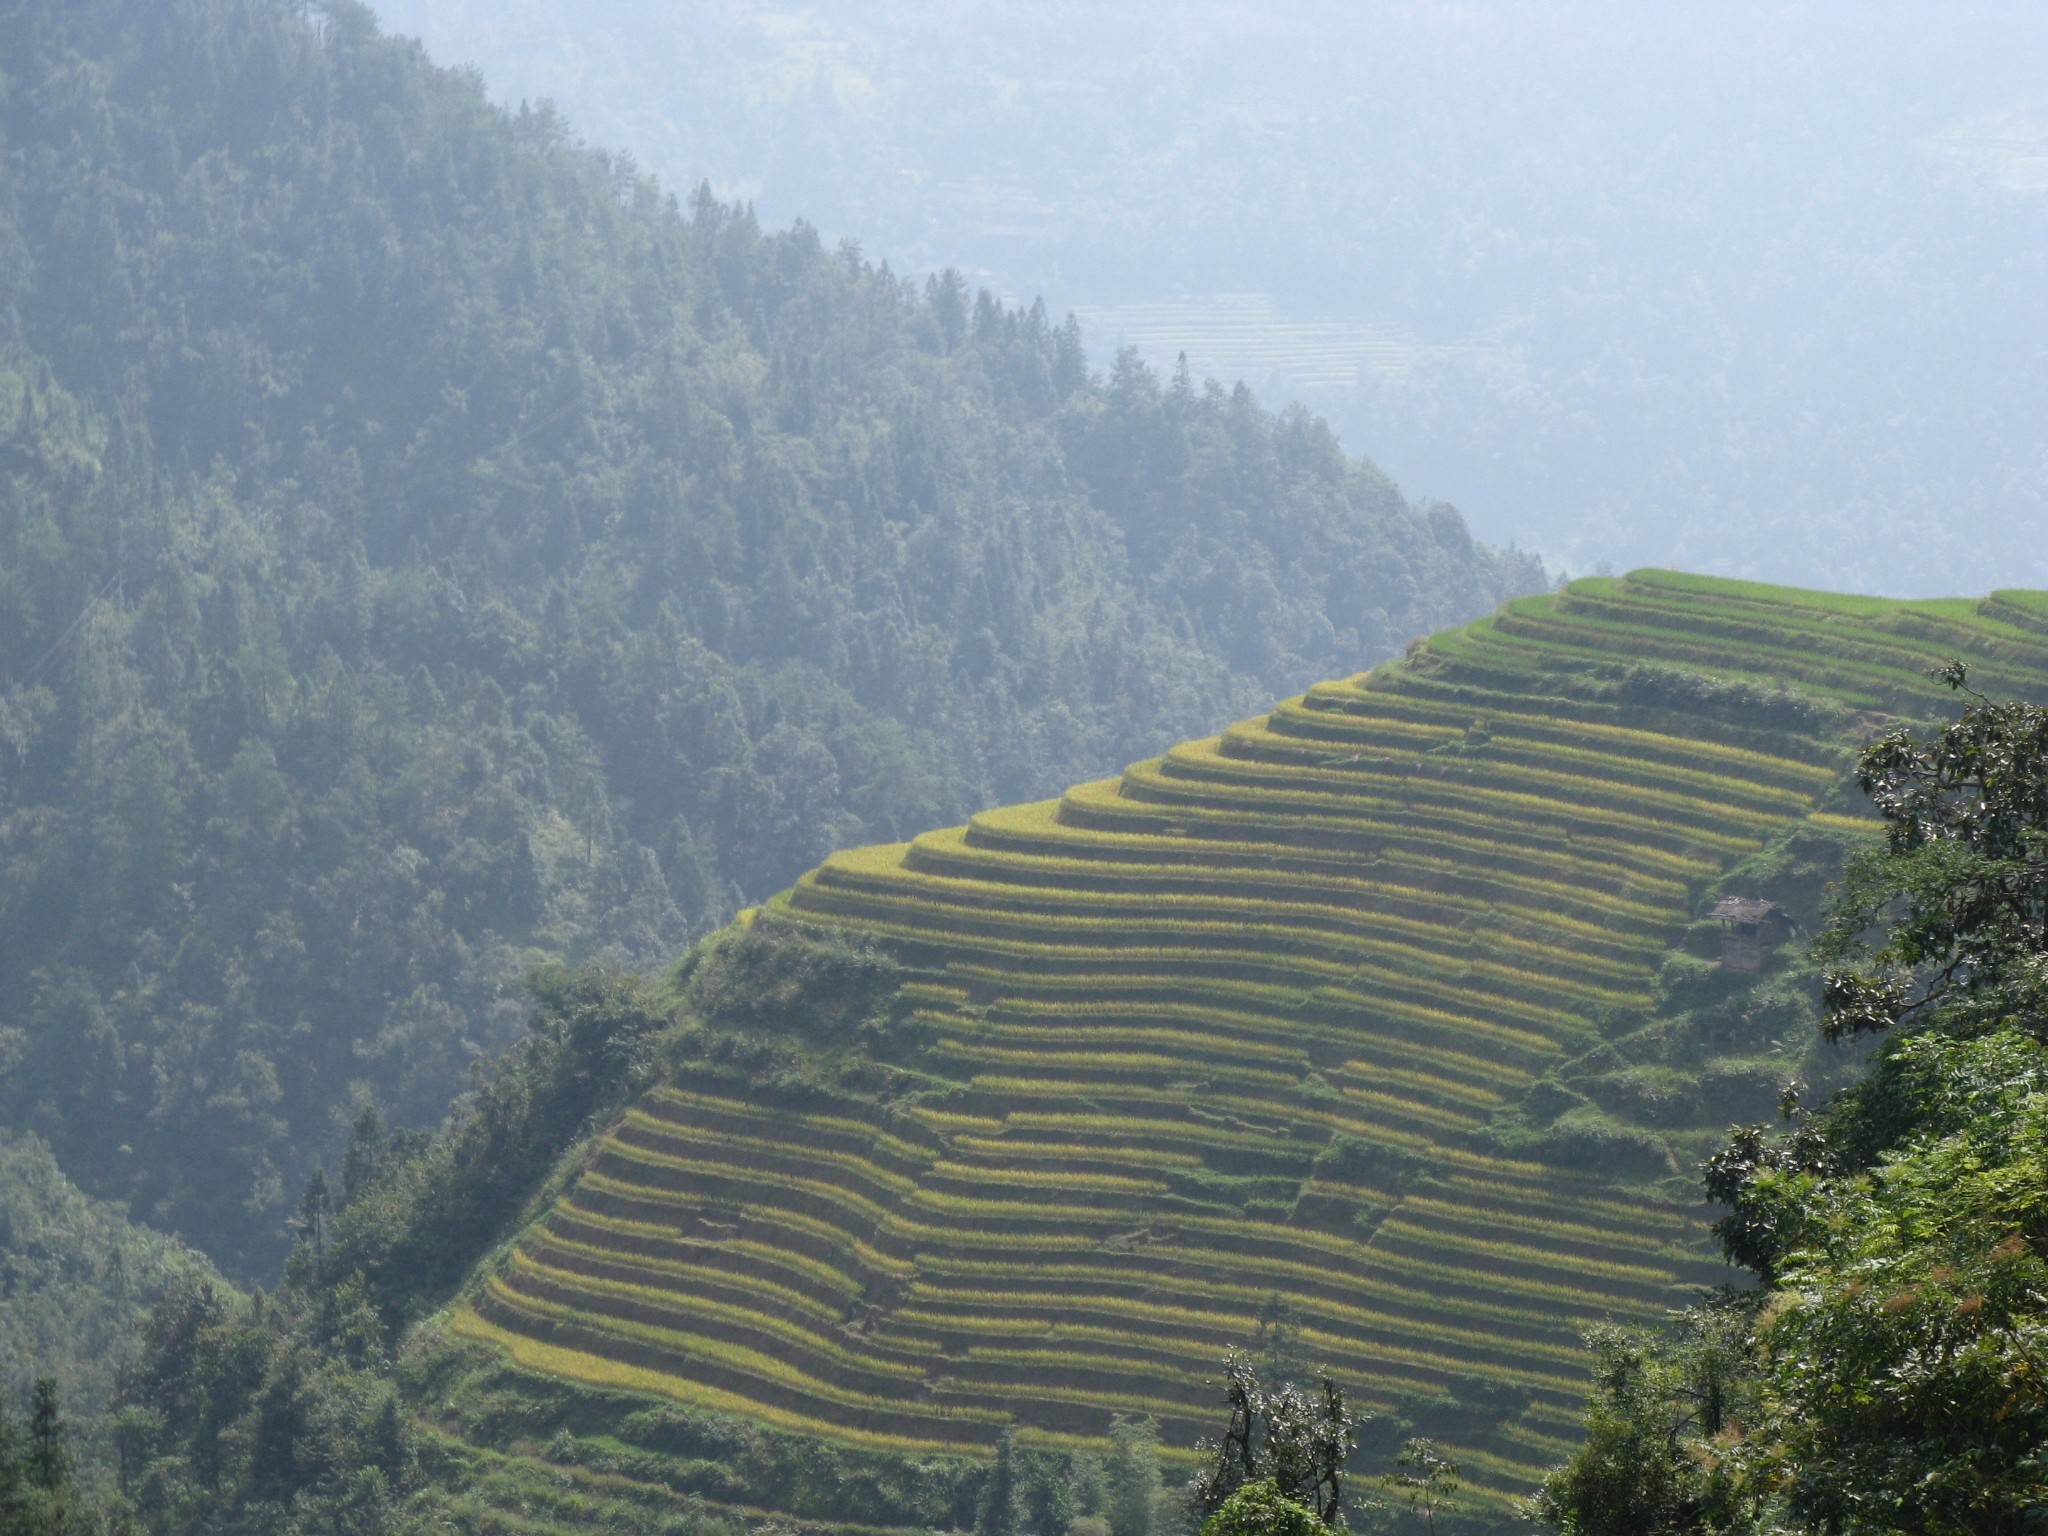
(835, 1194)
(1076, 1151)
(870, 1258)
(1268, 1035)
(1179, 1129)
(1320, 1315)
(697, 1306)
(1336, 958)
(969, 1032)
(1341, 1355)
(1453, 1157)
(1274, 1036)
(1510, 1014)
(1410, 1109)
(1485, 1246)
(949, 1123)
(1394, 837)
(804, 906)
(1019, 911)
(856, 1157)
(778, 1121)
(1524, 1221)
(982, 1174)
(1767, 631)
(1637, 743)
(1337, 1189)
(1611, 1215)
(1036, 983)
(823, 1275)
(547, 1239)
(1424, 1082)
(593, 1370)
(1548, 1449)
(1520, 737)
(938, 1200)
(1193, 1379)
(1308, 1112)
(881, 1217)
(1139, 1093)
(1584, 1300)
(1520, 817)
(1596, 774)
(1876, 680)
(670, 1134)
(708, 1348)
(1296, 1014)
(972, 1051)
(1346, 816)
(1867, 826)
(946, 855)
(1181, 1268)
(1196, 765)
(1209, 1051)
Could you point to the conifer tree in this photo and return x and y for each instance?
(996, 1515)
(49, 1462)
(1131, 1477)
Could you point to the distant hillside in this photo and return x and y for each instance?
(76, 1282)
(1398, 1012)
(1731, 287)
(424, 547)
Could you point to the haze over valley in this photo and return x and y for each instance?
(1754, 289)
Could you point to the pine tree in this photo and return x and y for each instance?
(49, 1464)
(313, 1214)
(10, 1460)
(997, 1513)
(1131, 1477)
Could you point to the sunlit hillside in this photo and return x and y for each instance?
(1399, 1003)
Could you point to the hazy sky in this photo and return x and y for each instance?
(1748, 288)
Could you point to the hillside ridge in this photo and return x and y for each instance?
(1398, 1003)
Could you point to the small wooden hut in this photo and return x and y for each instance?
(1751, 926)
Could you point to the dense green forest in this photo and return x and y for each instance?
(425, 547)
(77, 1279)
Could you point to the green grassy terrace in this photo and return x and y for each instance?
(1250, 1019)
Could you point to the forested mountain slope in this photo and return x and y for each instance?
(424, 547)
(1398, 1012)
(76, 1281)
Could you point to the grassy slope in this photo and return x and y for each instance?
(1395, 1002)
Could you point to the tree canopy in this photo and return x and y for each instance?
(426, 547)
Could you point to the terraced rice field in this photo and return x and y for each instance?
(1233, 1024)
(1244, 336)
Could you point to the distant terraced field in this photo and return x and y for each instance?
(1244, 336)
(1236, 1024)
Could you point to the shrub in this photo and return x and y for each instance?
(1260, 1509)
(767, 978)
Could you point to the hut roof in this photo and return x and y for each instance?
(1747, 909)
